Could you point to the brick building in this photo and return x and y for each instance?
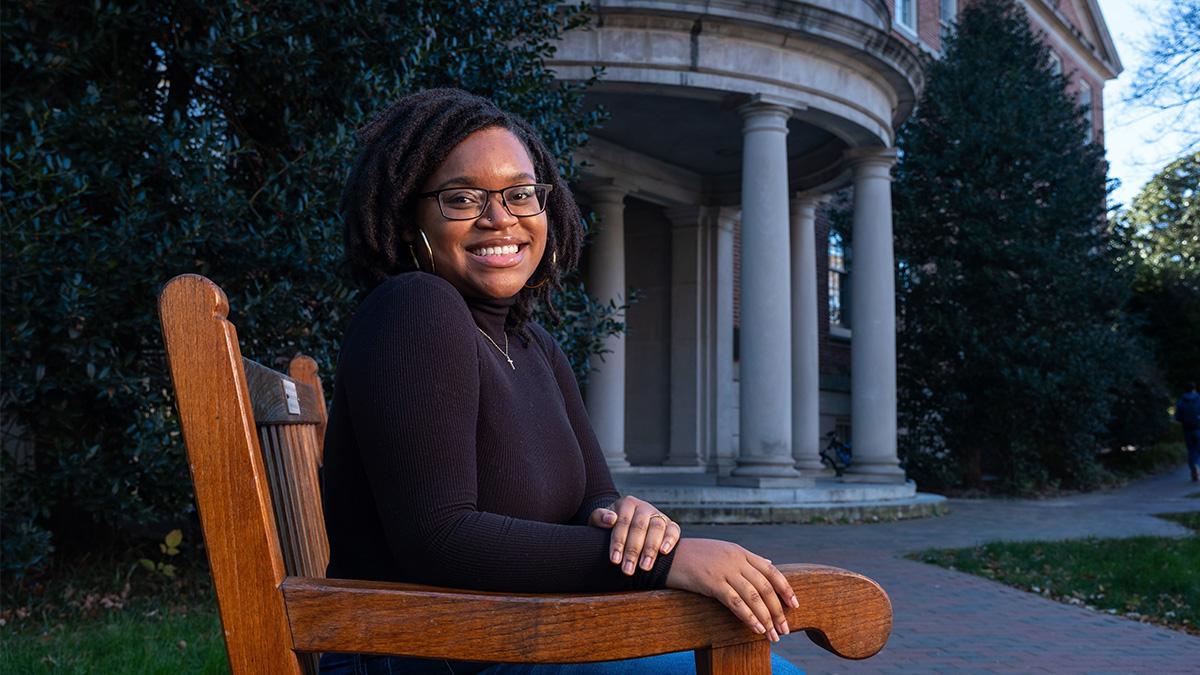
(732, 123)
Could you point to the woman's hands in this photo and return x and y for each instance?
(639, 530)
(748, 584)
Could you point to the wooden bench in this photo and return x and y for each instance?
(254, 440)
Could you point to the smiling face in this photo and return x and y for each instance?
(478, 256)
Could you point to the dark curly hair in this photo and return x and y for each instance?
(404, 145)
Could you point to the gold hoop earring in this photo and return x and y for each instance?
(413, 253)
(432, 266)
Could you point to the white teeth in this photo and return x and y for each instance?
(496, 250)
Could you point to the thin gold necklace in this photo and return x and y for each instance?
(504, 351)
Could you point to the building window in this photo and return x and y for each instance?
(1085, 102)
(906, 14)
(1055, 63)
(949, 13)
(837, 280)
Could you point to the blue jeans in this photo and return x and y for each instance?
(676, 663)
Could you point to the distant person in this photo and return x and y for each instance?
(1187, 412)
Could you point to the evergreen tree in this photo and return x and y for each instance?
(1011, 347)
(145, 139)
(1163, 229)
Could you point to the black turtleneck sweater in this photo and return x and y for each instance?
(446, 466)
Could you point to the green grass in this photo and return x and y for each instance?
(1154, 579)
(123, 642)
(1189, 519)
(105, 613)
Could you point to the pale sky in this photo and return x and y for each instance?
(1139, 139)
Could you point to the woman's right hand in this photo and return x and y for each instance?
(748, 584)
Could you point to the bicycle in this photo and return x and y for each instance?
(836, 455)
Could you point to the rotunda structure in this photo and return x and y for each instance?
(729, 123)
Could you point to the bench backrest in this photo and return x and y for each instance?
(289, 413)
(254, 440)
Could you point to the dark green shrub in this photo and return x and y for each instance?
(1136, 461)
(142, 140)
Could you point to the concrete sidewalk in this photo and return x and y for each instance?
(951, 622)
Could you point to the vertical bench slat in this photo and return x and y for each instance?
(316, 543)
(315, 535)
(284, 494)
(294, 463)
(270, 461)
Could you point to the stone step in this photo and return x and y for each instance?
(697, 499)
(920, 506)
(823, 491)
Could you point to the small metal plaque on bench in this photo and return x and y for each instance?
(292, 396)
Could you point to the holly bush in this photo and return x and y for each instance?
(144, 139)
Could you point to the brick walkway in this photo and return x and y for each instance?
(950, 622)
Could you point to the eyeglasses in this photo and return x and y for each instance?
(462, 203)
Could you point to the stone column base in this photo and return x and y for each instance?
(651, 469)
(766, 481)
(617, 464)
(875, 474)
(823, 472)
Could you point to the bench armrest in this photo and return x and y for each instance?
(843, 612)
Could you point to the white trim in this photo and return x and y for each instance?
(1068, 43)
(1110, 48)
(853, 79)
(908, 33)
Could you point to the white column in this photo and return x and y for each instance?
(689, 369)
(606, 282)
(806, 388)
(765, 456)
(725, 403)
(873, 322)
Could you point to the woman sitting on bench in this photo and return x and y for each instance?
(458, 451)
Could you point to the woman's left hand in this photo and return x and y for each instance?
(639, 531)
